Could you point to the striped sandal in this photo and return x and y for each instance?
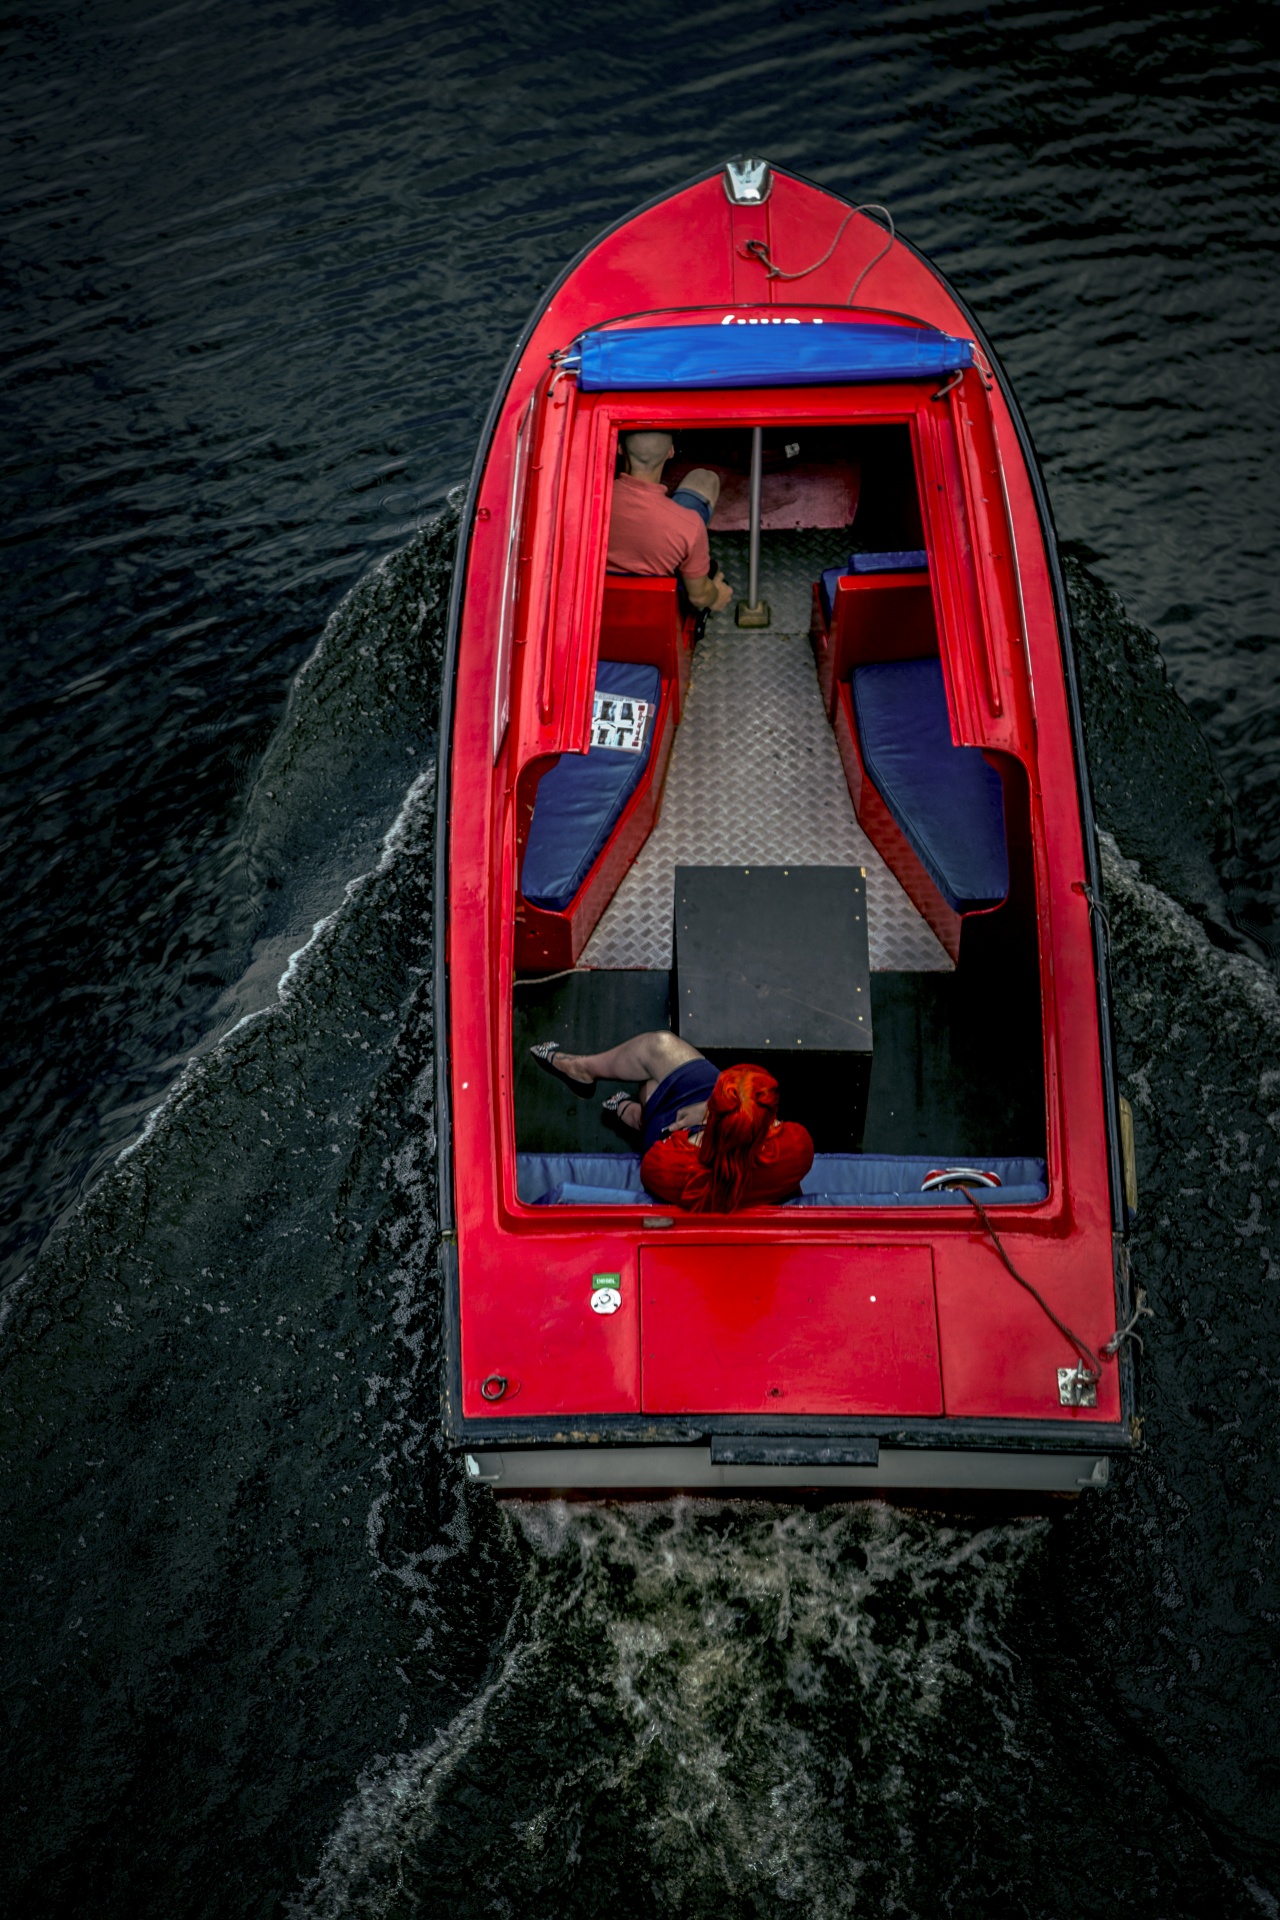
(545, 1054)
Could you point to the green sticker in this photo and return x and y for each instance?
(605, 1280)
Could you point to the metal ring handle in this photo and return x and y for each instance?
(494, 1387)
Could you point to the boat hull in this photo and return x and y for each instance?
(539, 1391)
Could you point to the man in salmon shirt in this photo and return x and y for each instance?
(712, 1141)
(650, 533)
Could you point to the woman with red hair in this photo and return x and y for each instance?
(712, 1141)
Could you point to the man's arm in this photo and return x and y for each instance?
(704, 583)
(709, 590)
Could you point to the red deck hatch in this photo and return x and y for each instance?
(742, 1329)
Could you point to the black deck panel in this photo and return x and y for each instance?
(585, 1011)
(772, 969)
(773, 957)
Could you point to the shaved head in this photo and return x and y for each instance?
(648, 449)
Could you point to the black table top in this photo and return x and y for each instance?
(772, 958)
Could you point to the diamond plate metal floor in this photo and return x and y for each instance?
(755, 776)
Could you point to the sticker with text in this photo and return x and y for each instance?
(619, 722)
(606, 1292)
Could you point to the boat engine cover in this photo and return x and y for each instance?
(789, 1330)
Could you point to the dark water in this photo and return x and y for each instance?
(262, 266)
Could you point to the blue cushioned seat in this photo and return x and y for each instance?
(854, 1174)
(1027, 1196)
(947, 800)
(895, 1180)
(834, 1180)
(540, 1174)
(572, 1193)
(581, 800)
(903, 560)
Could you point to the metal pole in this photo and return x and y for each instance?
(752, 612)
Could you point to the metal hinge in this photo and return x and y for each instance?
(1076, 1387)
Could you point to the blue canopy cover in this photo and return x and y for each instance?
(764, 353)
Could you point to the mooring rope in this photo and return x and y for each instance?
(1126, 1332)
(759, 250)
(545, 979)
(1093, 1372)
(1095, 906)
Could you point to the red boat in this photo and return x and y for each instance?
(842, 827)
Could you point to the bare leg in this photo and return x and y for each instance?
(648, 1058)
(705, 483)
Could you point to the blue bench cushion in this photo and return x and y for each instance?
(947, 800)
(895, 1180)
(573, 1193)
(538, 1174)
(834, 1180)
(913, 560)
(1026, 1196)
(581, 799)
(852, 1175)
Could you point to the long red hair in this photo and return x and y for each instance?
(742, 1108)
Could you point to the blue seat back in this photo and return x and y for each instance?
(947, 800)
(581, 799)
(538, 1173)
(903, 560)
(834, 1180)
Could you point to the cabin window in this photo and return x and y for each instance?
(821, 741)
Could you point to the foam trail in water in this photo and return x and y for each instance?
(754, 1691)
(404, 835)
(392, 1808)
